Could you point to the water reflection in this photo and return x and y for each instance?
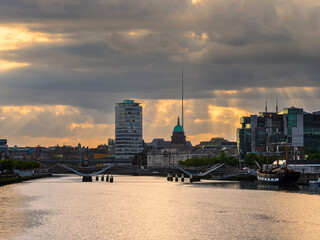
(13, 218)
(257, 186)
(15, 213)
(152, 208)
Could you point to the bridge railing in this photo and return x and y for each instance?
(213, 168)
(83, 174)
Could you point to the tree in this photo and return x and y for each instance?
(7, 165)
(223, 158)
(251, 158)
(313, 156)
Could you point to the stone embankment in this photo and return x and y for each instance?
(15, 178)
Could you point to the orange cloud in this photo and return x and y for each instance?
(52, 125)
(15, 37)
(6, 66)
(18, 111)
(58, 124)
(227, 93)
(138, 33)
(196, 139)
(226, 115)
(196, 2)
(202, 119)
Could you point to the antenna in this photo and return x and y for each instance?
(182, 100)
(266, 106)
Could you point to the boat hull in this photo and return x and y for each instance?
(278, 177)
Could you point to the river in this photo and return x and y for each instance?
(152, 208)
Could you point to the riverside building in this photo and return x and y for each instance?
(268, 132)
(170, 152)
(178, 139)
(3, 148)
(128, 132)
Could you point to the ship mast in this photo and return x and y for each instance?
(267, 136)
(286, 153)
(277, 134)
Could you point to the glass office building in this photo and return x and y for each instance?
(128, 130)
(311, 131)
(262, 133)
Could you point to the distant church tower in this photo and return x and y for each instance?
(178, 139)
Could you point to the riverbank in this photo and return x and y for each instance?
(15, 178)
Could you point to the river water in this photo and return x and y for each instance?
(152, 208)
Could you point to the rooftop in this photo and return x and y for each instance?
(128, 102)
(178, 127)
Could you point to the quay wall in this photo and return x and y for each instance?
(15, 178)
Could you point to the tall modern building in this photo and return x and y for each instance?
(128, 123)
(3, 148)
(262, 133)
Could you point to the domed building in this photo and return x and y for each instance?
(178, 139)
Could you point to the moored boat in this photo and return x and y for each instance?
(278, 176)
(278, 173)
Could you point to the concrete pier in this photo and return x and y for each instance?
(195, 179)
(86, 179)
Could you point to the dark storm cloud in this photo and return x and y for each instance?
(137, 10)
(118, 49)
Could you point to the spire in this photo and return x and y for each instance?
(182, 97)
(277, 106)
(178, 128)
(266, 106)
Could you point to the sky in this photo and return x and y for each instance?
(64, 64)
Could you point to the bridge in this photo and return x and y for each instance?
(86, 177)
(197, 176)
(220, 171)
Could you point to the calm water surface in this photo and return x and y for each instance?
(152, 208)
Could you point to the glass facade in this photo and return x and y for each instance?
(128, 129)
(3, 146)
(262, 133)
(243, 141)
(312, 132)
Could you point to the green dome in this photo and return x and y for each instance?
(178, 128)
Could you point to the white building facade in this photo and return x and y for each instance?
(128, 130)
(163, 157)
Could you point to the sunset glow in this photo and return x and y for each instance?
(6, 66)
(67, 64)
(15, 37)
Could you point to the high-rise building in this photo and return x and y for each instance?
(264, 132)
(3, 148)
(128, 124)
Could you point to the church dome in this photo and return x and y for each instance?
(178, 128)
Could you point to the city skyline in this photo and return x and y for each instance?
(65, 64)
(159, 123)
